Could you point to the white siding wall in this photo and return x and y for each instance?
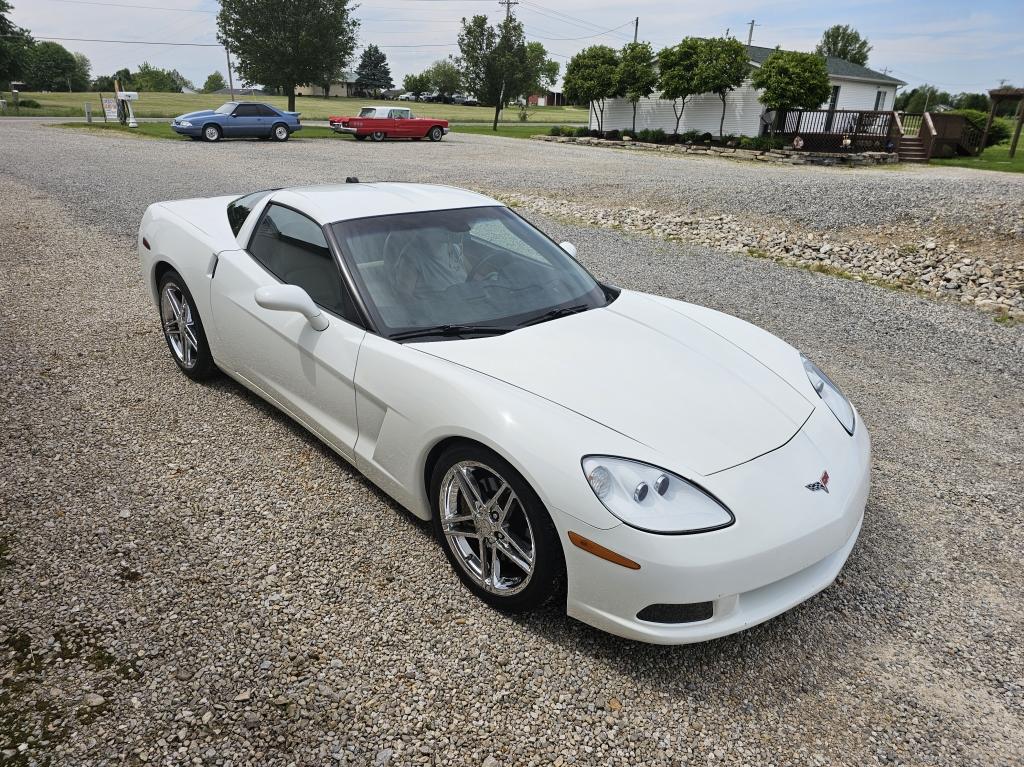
(742, 109)
(857, 95)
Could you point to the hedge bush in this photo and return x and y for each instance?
(582, 132)
(555, 130)
(24, 104)
(1000, 131)
(613, 135)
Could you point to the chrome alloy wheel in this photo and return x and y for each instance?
(280, 133)
(179, 325)
(487, 528)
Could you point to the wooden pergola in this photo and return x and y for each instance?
(998, 96)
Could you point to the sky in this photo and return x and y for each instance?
(957, 46)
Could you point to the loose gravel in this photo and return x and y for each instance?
(188, 577)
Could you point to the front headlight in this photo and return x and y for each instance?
(652, 499)
(185, 124)
(830, 395)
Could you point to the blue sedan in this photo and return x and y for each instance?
(246, 119)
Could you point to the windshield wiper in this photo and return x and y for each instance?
(450, 330)
(554, 314)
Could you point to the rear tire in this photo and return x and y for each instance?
(279, 132)
(378, 135)
(183, 328)
(435, 133)
(495, 518)
(212, 132)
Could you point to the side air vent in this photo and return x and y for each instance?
(688, 613)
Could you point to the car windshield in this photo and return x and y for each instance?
(367, 112)
(226, 109)
(465, 267)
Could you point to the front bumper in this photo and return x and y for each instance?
(193, 130)
(787, 544)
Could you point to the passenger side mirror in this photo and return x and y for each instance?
(568, 247)
(292, 298)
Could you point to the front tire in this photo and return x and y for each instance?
(212, 133)
(378, 135)
(279, 132)
(494, 530)
(183, 328)
(435, 133)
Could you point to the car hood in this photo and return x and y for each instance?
(200, 113)
(643, 368)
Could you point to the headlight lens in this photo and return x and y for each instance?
(652, 499)
(185, 124)
(830, 394)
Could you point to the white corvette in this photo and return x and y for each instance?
(675, 474)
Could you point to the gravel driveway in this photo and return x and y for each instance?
(188, 577)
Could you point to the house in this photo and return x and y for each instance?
(546, 99)
(344, 87)
(853, 87)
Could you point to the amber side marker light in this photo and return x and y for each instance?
(600, 551)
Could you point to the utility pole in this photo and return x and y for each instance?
(231, 79)
(750, 34)
(636, 28)
(508, 7)
(727, 31)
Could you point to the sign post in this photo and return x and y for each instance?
(88, 112)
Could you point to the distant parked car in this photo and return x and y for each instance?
(379, 123)
(407, 97)
(234, 119)
(468, 101)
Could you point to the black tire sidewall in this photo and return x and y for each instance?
(435, 134)
(205, 366)
(378, 135)
(548, 580)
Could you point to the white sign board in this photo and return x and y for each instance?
(110, 109)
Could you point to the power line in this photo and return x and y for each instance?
(564, 17)
(586, 37)
(139, 7)
(122, 42)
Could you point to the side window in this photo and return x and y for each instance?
(292, 247)
(264, 111)
(246, 110)
(239, 210)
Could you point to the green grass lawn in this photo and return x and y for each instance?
(994, 158)
(312, 108)
(509, 130)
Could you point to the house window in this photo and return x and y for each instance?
(834, 99)
(880, 101)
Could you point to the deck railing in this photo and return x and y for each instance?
(840, 129)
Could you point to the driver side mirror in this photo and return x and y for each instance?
(568, 247)
(291, 298)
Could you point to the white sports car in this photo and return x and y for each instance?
(675, 474)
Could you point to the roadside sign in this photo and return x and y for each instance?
(109, 109)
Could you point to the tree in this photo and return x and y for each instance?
(373, 74)
(921, 99)
(15, 43)
(444, 77)
(722, 68)
(215, 82)
(82, 74)
(591, 78)
(677, 66)
(542, 72)
(636, 77)
(103, 83)
(50, 67)
(285, 44)
(156, 80)
(844, 42)
(978, 101)
(416, 84)
(494, 61)
(791, 80)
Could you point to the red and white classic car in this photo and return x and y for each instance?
(379, 123)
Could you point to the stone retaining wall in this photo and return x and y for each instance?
(785, 156)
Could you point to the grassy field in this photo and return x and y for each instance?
(312, 108)
(994, 158)
(163, 130)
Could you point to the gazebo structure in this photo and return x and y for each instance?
(998, 96)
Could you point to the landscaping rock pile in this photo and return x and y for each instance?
(934, 268)
(785, 156)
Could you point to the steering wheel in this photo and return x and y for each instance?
(478, 273)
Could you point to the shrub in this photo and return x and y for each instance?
(629, 134)
(582, 132)
(594, 134)
(689, 136)
(555, 130)
(999, 132)
(706, 137)
(746, 142)
(26, 104)
(644, 135)
(658, 136)
(612, 135)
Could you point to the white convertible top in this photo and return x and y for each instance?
(328, 203)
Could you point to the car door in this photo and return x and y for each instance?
(267, 118)
(402, 124)
(245, 120)
(307, 373)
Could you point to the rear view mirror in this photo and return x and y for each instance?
(568, 247)
(292, 298)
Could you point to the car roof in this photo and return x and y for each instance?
(328, 203)
(387, 106)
